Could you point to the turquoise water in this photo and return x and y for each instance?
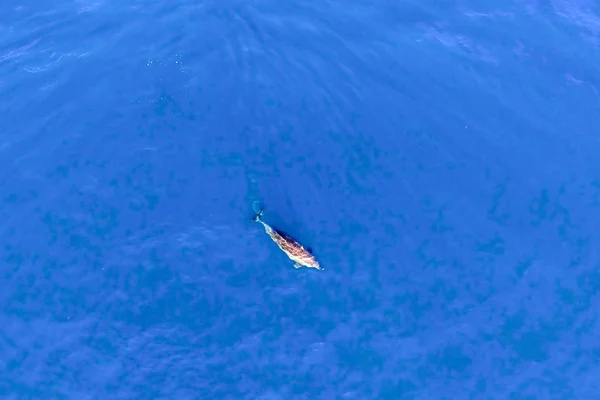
(440, 159)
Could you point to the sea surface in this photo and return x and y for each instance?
(441, 159)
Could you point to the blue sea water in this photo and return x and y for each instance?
(440, 158)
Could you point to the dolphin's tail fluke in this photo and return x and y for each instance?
(258, 216)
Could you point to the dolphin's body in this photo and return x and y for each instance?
(294, 250)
